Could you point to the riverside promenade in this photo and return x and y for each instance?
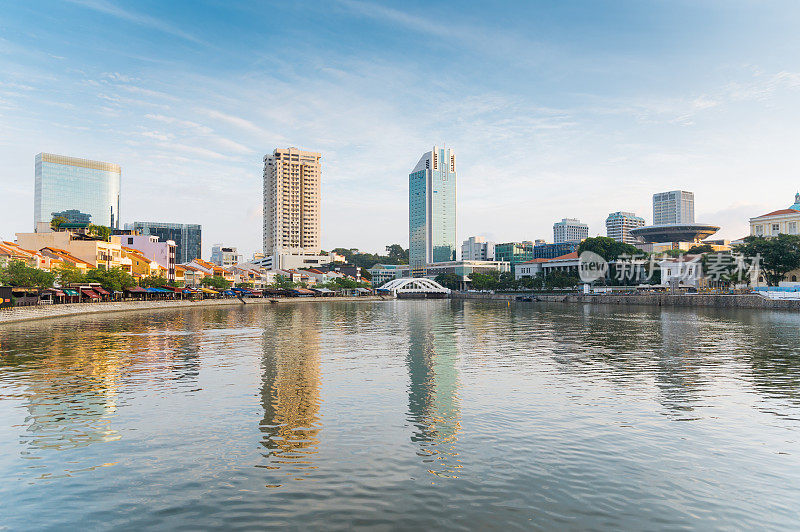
(40, 312)
(657, 300)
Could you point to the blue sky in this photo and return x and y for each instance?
(555, 109)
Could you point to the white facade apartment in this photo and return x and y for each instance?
(570, 230)
(619, 225)
(292, 180)
(675, 207)
(477, 248)
(225, 256)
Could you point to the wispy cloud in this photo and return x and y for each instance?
(108, 8)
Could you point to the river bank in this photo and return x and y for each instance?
(41, 312)
(657, 300)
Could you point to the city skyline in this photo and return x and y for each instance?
(189, 116)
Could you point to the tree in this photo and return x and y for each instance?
(700, 249)
(483, 281)
(55, 223)
(217, 282)
(396, 252)
(155, 281)
(114, 279)
(449, 280)
(284, 282)
(100, 231)
(68, 274)
(779, 255)
(244, 285)
(608, 248)
(559, 279)
(18, 273)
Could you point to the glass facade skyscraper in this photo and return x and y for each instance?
(79, 190)
(187, 237)
(432, 210)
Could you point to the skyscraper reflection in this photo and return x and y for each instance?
(290, 391)
(434, 406)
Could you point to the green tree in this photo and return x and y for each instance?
(18, 273)
(483, 281)
(244, 285)
(558, 279)
(68, 274)
(115, 279)
(100, 231)
(56, 222)
(217, 282)
(398, 253)
(700, 249)
(284, 282)
(778, 255)
(449, 280)
(154, 282)
(608, 248)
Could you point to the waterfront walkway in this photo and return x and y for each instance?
(38, 312)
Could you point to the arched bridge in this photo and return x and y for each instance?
(414, 287)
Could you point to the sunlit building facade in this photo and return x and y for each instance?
(432, 210)
(187, 237)
(79, 190)
(619, 225)
(292, 180)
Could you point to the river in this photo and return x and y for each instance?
(406, 415)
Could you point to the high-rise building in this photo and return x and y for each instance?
(187, 237)
(80, 190)
(292, 180)
(619, 225)
(225, 256)
(477, 248)
(432, 210)
(551, 251)
(513, 252)
(675, 207)
(570, 230)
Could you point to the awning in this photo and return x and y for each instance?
(208, 290)
(137, 290)
(70, 292)
(91, 294)
(304, 291)
(322, 290)
(102, 291)
(56, 292)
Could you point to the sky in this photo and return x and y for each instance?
(554, 109)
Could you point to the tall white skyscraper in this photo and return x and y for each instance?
(432, 210)
(675, 207)
(570, 230)
(292, 180)
(619, 225)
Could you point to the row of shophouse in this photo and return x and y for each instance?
(144, 256)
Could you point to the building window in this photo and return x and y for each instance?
(792, 228)
(759, 230)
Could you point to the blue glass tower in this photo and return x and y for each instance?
(432, 210)
(79, 190)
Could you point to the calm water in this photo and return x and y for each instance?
(402, 415)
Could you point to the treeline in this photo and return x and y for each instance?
(395, 254)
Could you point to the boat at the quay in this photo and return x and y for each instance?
(405, 414)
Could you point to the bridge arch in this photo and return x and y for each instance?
(414, 287)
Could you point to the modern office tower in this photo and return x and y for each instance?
(432, 210)
(225, 256)
(570, 230)
(619, 225)
(551, 251)
(477, 248)
(187, 237)
(292, 180)
(675, 207)
(80, 190)
(513, 252)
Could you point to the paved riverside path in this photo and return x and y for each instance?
(39, 312)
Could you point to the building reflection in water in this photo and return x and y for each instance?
(290, 392)
(434, 406)
(71, 382)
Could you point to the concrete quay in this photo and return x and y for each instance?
(658, 300)
(40, 312)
